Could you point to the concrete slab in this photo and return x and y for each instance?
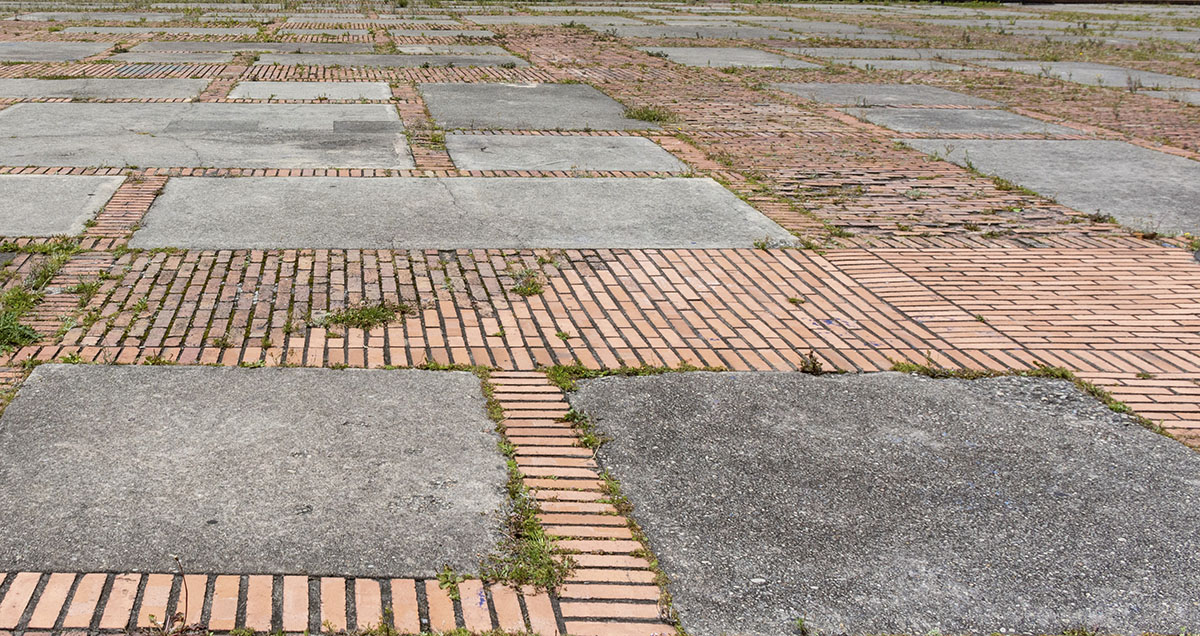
(874, 53)
(1143, 188)
(891, 504)
(554, 20)
(427, 213)
(866, 37)
(168, 57)
(103, 88)
(526, 107)
(204, 135)
(239, 47)
(1190, 97)
(441, 33)
(900, 65)
(48, 205)
(302, 91)
(201, 31)
(95, 16)
(296, 31)
(535, 152)
(716, 32)
(49, 51)
(954, 120)
(385, 61)
(391, 473)
(1096, 74)
(882, 95)
(722, 57)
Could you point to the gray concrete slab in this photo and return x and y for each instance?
(716, 32)
(451, 49)
(90, 88)
(204, 135)
(866, 37)
(882, 95)
(239, 47)
(1144, 189)
(426, 213)
(1189, 97)
(894, 504)
(521, 107)
(536, 152)
(264, 471)
(200, 31)
(168, 57)
(441, 33)
(1096, 74)
(593, 21)
(96, 16)
(956, 120)
(900, 65)
(875, 53)
(384, 61)
(722, 57)
(48, 205)
(297, 31)
(301, 91)
(49, 51)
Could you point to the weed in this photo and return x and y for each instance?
(157, 361)
(651, 114)
(71, 358)
(448, 580)
(565, 376)
(811, 364)
(589, 435)
(528, 283)
(366, 316)
(562, 335)
(86, 290)
(796, 301)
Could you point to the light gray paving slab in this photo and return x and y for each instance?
(441, 33)
(49, 51)
(96, 16)
(956, 120)
(873, 53)
(1142, 188)
(532, 107)
(301, 91)
(722, 57)
(866, 37)
(298, 31)
(47, 205)
(717, 32)
(554, 20)
(239, 47)
(119, 30)
(89, 88)
(389, 472)
(168, 57)
(536, 152)
(893, 504)
(900, 65)
(404, 61)
(204, 135)
(882, 95)
(453, 213)
(1096, 74)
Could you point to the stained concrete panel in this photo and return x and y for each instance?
(441, 33)
(593, 21)
(895, 504)
(295, 31)
(49, 51)
(1142, 188)
(103, 88)
(875, 53)
(168, 57)
(386, 61)
(957, 120)
(47, 205)
(301, 91)
(201, 31)
(901, 65)
(265, 471)
(1097, 74)
(882, 95)
(96, 16)
(465, 212)
(239, 47)
(536, 152)
(722, 57)
(716, 32)
(526, 106)
(204, 135)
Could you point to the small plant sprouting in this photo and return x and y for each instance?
(528, 283)
(651, 114)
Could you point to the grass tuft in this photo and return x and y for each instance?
(564, 376)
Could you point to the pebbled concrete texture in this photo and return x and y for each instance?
(300, 91)
(450, 213)
(1096, 74)
(48, 205)
(737, 32)
(888, 503)
(49, 51)
(955, 120)
(238, 47)
(319, 471)
(297, 31)
(901, 65)
(403, 61)
(526, 106)
(593, 21)
(102, 16)
(103, 88)
(168, 57)
(874, 53)
(536, 152)
(721, 57)
(202, 31)
(205, 135)
(882, 95)
(1144, 189)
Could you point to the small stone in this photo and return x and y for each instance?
(758, 581)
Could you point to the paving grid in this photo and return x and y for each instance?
(915, 252)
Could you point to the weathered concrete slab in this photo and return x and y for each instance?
(1096, 74)
(441, 33)
(204, 135)
(420, 213)
(202, 31)
(102, 88)
(956, 120)
(889, 504)
(298, 31)
(168, 57)
(535, 152)
(592, 21)
(1190, 97)
(718, 32)
(301, 91)
(388, 472)
(48, 205)
(95, 16)
(526, 106)
(49, 51)
(882, 95)
(238, 47)
(722, 57)
(876, 53)
(901, 65)
(866, 37)
(1143, 188)
(384, 61)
